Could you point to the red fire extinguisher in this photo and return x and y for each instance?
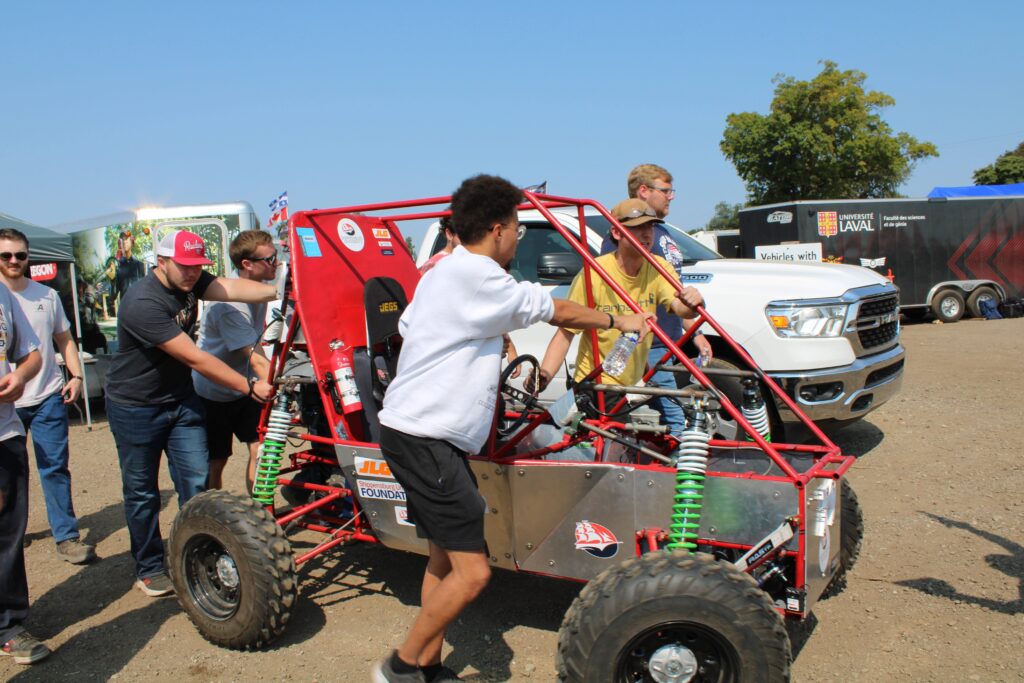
(344, 380)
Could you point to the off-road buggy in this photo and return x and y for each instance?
(695, 550)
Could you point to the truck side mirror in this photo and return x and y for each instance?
(558, 267)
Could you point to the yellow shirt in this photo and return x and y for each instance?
(647, 288)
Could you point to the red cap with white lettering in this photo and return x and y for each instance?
(184, 248)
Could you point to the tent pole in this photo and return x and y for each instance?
(81, 361)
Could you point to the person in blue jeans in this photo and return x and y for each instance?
(152, 406)
(43, 405)
(653, 184)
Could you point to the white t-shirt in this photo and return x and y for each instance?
(446, 385)
(17, 340)
(45, 314)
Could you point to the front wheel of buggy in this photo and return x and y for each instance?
(851, 533)
(673, 616)
(233, 570)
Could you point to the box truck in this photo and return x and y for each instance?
(946, 254)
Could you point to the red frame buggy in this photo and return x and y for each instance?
(672, 596)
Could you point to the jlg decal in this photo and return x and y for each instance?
(367, 467)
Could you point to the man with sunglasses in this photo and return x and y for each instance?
(653, 184)
(43, 405)
(231, 332)
(152, 406)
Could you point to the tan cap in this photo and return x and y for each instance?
(634, 212)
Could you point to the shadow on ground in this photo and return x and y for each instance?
(1011, 564)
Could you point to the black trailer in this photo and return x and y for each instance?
(947, 255)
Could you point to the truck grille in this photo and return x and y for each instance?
(870, 312)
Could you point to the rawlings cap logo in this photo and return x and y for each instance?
(192, 246)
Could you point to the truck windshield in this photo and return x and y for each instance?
(692, 250)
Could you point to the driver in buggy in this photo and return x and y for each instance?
(642, 283)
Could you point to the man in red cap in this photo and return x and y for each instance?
(151, 404)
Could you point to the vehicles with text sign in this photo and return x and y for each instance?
(695, 551)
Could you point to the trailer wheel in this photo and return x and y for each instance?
(673, 617)
(851, 534)
(233, 570)
(948, 306)
(977, 296)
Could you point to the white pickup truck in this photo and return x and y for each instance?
(839, 358)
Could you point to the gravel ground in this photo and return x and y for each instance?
(937, 595)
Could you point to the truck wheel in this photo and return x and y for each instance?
(673, 617)
(977, 296)
(233, 570)
(948, 306)
(851, 534)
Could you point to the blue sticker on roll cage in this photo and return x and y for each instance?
(310, 246)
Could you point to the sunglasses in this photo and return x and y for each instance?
(637, 213)
(272, 259)
(19, 255)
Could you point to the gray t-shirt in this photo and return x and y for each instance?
(227, 328)
(45, 314)
(17, 340)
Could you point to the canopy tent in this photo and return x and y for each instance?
(1017, 189)
(47, 245)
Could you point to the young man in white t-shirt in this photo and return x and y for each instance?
(43, 406)
(440, 407)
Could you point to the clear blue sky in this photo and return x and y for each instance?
(111, 105)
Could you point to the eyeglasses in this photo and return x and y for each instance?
(19, 255)
(667, 191)
(272, 259)
(636, 213)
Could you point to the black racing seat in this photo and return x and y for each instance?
(375, 366)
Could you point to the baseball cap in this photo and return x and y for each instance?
(184, 248)
(634, 212)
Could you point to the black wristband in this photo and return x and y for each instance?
(611, 321)
(78, 377)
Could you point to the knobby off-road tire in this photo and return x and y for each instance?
(673, 612)
(851, 534)
(233, 570)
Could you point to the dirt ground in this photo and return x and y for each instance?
(937, 595)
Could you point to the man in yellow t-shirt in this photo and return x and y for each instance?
(641, 282)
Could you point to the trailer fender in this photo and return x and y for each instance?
(965, 287)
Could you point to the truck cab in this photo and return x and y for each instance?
(828, 333)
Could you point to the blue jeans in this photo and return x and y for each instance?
(141, 434)
(48, 424)
(670, 411)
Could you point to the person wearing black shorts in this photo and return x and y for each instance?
(231, 332)
(440, 407)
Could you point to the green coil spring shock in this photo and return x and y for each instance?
(268, 464)
(755, 410)
(691, 464)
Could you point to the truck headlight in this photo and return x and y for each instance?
(790, 320)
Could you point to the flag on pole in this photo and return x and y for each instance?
(279, 208)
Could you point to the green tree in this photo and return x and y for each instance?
(727, 217)
(823, 138)
(412, 247)
(1007, 169)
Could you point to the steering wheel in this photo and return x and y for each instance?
(506, 391)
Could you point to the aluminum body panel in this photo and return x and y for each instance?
(822, 551)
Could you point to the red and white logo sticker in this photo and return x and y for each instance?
(402, 516)
(41, 272)
(350, 234)
(596, 539)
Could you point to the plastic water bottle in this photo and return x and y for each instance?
(615, 361)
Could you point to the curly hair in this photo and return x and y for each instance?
(645, 174)
(479, 203)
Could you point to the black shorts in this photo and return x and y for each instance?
(240, 417)
(442, 497)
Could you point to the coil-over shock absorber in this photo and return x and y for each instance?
(268, 464)
(755, 410)
(691, 465)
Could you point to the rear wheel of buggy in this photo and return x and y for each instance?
(673, 617)
(851, 534)
(233, 570)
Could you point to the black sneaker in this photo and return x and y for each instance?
(156, 586)
(75, 552)
(444, 675)
(383, 673)
(25, 648)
